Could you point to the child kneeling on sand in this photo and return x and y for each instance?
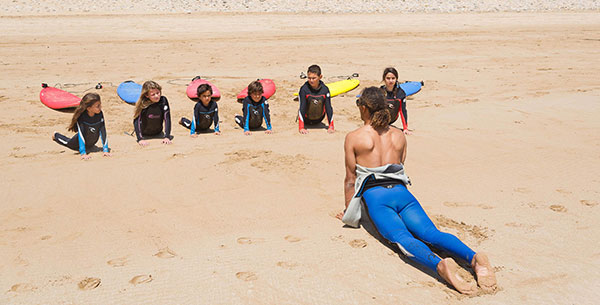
(206, 112)
(315, 101)
(151, 110)
(255, 108)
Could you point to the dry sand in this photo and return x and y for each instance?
(505, 154)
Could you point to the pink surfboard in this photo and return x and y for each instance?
(192, 89)
(58, 99)
(268, 88)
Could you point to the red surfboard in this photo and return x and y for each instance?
(192, 89)
(268, 88)
(58, 99)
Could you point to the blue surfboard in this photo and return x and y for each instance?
(129, 91)
(411, 88)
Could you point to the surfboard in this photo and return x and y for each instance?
(58, 99)
(192, 89)
(411, 88)
(268, 88)
(129, 91)
(339, 87)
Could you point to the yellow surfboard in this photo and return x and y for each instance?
(339, 87)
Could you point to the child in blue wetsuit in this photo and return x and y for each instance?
(374, 154)
(88, 122)
(255, 108)
(151, 113)
(206, 112)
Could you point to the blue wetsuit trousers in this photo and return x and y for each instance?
(399, 218)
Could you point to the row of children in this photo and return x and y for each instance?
(152, 117)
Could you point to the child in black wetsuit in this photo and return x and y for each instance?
(315, 101)
(206, 112)
(151, 111)
(88, 122)
(255, 108)
(395, 97)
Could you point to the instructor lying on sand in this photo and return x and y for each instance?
(374, 154)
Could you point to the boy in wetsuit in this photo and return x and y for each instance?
(315, 101)
(151, 111)
(205, 113)
(88, 122)
(255, 108)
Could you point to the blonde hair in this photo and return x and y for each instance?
(88, 100)
(143, 102)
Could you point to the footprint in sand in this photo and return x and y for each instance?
(558, 208)
(249, 240)
(141, 279)
(357, 243)
(165, 253)
(287, 265)
(118, 262)
(292, 239)
(22, 287)
(522, 190)
(89, 283)
(246, 276)
(588, 203)
(564, 191)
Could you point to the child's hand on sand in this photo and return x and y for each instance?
(217, 133)
(194, 135)
(143, 143)
(330, 130)
(85, 157)
(303, 131)
(407, 132)
(247, 133)
(268, 131)
(107, 154)
(166, 141)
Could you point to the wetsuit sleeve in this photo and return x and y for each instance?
(195, 115)
(216, 118)
(329, 109)
(167, 118)
(404, 124)
(267, 114)
(302, 108)
(81, 139)
(137, 126)
(245, 110)
(103, 137)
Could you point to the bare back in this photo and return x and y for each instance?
(371, 148)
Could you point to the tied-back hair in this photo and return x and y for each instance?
(374, 100)
(87, 101)
(143, 102)
(389, 70)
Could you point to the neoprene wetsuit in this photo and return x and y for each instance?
(89, 130)
(399, 218)
(314, 104)
(204, 116)
(254, 114)
(396, 100)
(150, 121)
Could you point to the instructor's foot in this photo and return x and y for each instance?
(449, 270)
(486, 279)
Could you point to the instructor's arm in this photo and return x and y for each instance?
(350, 161)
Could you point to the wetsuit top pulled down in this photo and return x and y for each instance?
(204, 116)
(150, 121)
(314, 104)
(255, 112)
(89, 130)
(396, 100)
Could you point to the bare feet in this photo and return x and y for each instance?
(449, 270)
(486, 279)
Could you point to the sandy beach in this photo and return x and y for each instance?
(505, 153)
